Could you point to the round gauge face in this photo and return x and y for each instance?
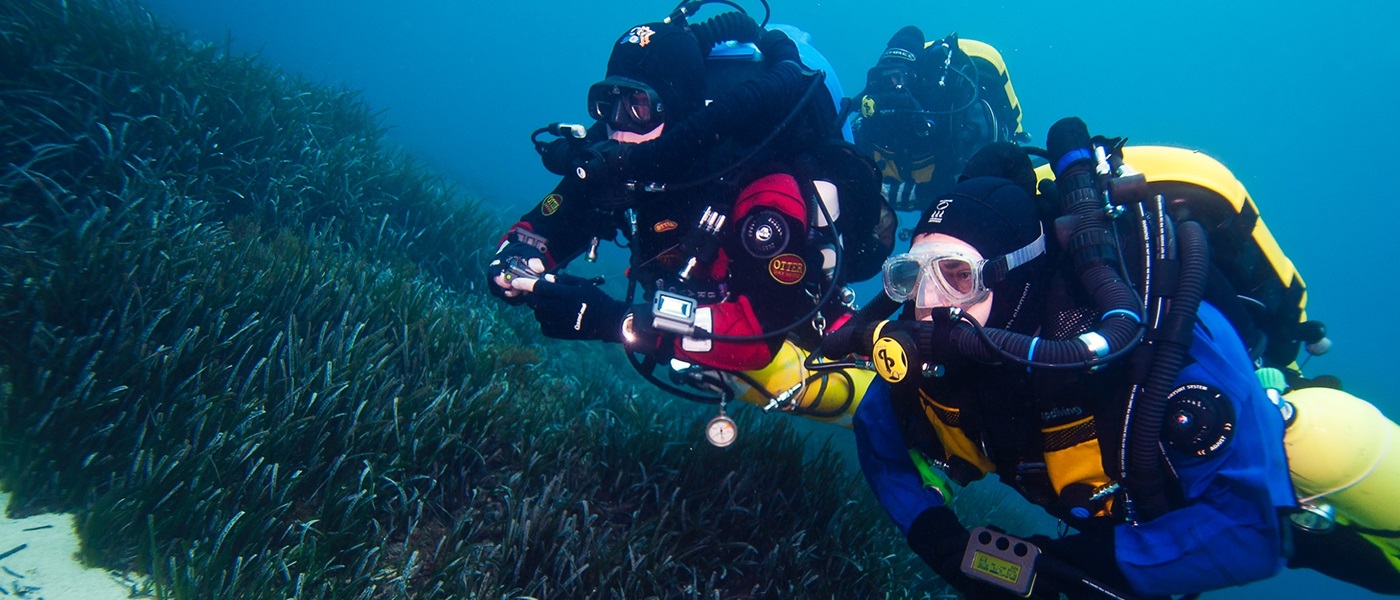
(721, 431)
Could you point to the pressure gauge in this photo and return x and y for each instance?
(721, 431)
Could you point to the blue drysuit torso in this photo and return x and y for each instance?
(1226, 531)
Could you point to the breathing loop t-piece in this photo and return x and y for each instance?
(947, 64)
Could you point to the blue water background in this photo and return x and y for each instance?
(1296, 98)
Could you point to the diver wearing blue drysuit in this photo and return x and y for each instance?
(1225, 533)
(1054, 434)
(1229, 535)
(1187, 531)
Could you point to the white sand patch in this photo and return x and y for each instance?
(46, 565)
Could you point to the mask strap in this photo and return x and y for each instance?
(997, 269)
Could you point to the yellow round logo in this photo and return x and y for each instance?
(867, 106)
(890, 360)
(550, 204)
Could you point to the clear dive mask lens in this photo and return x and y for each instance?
(936, 275)
(625, 104)
(901, 277)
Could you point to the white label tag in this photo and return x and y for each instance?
(704, 321)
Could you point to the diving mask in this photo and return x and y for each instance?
(885, 78)
(625, 104)
(939, 274)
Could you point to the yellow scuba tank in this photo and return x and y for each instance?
(786, 383)
(982, 50)
(1342, 452)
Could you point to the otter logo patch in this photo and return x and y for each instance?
(787, 269)
(664, 226)
(550, 204)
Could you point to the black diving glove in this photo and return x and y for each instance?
(603, 163)
(928, 340)
(844, 340)
(1072, 563)
(776, 47)
(514, 260)
(558, 156)
(577, 311)
(1005, 160)
(940, 540)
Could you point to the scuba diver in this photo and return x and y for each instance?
(744, 217)
(928, 107)
(1083, 348)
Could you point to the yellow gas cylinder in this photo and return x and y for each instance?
(1341, 452)
(828, 395)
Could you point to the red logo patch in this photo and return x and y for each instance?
(664, 226)
(787, 269)
(550, 204)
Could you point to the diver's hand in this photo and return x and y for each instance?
(923, 339)
(558, 156)
(940, 540)
(1069, 564)
(776, 47)
(849, 336)
(840, 340)
(603, 163)
(572, 309)
(512, 262)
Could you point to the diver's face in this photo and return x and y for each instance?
(627, 137)
(983, 308)
(631, 109)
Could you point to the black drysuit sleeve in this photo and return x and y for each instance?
(567, 219)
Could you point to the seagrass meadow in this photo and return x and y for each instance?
(242, 338)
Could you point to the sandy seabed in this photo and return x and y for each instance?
(41, 561)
